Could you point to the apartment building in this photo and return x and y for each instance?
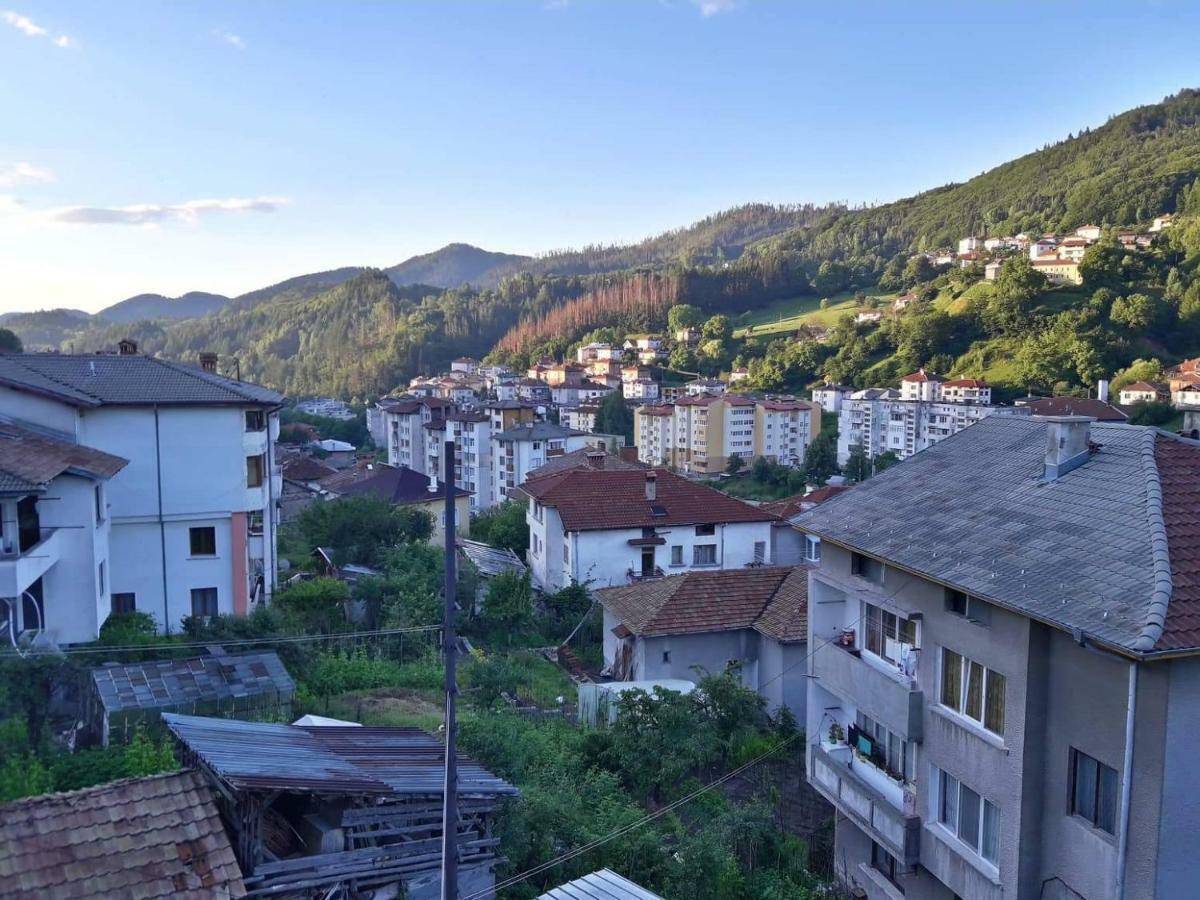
(830, 397)
(405, 421)
(1005, 681)
(523, 448)
(616, 527)
(472, 436)
(581, 417)
(192, 517)
(700, 433)
(906, 422)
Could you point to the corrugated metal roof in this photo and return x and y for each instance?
(489, 560)
(150, 837)
(602, 885)
(385, 761)
(176, 682)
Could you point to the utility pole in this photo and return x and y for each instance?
(450, 640)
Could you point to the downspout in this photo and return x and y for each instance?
(1126, 777)
(269, 570)
(162, 528)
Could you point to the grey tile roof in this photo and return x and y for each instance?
(159, 836)
(99, 379)
(602, 885)
(173, 683)
(1088, 550)
(539, 431)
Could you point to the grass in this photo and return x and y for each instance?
(389, 707)
(789, 314)
(746, 488)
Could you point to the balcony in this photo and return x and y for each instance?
(889, 697)
(847, 784)
(18, 570)
(645, 574)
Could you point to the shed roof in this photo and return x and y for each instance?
(398, 484)
(491, 561)
(1111, 547)
(159, 836)
(167, 683)
(602, 885)
(133, 380)
(259, 756)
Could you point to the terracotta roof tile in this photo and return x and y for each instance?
(591, 500)
(29, 460)
(1179, 473)
(1077, 406)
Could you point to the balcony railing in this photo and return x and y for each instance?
(833, 773)
(645, 575)
(890, 697)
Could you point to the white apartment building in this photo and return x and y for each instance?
(406, 418)
(521, 449)
(642, 389)
(193, 516)
(783, 429)
(612, 527)
(879, 420)
(55, 571)
(654, 428)
(969, 245)
(581, 418)
(830, 396)
(472, 436)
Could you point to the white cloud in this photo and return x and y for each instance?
(710, 8)
(156, 214)
(30, 28)
(12, 174)
(228, 37)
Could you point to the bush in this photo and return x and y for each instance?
(1151, 413)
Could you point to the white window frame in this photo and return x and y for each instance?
(812, 548)
(696, 548)
(942, 784)
(964, 686)
(892, 650)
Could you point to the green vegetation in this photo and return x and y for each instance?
(503, 525)
(361, 529)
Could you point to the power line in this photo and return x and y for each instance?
(645, 820)
(290, 639)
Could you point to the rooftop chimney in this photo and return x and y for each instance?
(595, 459)
(1066, 443)
(651, 486)
(127, 347)
(208, 362)
(1102, 390)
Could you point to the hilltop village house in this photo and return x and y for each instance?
(1005, 679)
(178, 470)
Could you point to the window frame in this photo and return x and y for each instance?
(259, 416)
(812, 548)
(204, 594)
(677, 555)
(1102, 775)
(706, 530)
(202, 531)
(258, 466)
(118, 599)
(696, 551)
(98, 493)
(949, 808)
(974, 685)
(878, 622)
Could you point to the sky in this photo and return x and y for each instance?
(166, 147)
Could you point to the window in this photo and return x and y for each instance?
(883, 748)
(203, 541)
(124, 603)
(1093, 791)
(666, 656)
(204, 602)
(972, 690)
(255, 471)
(972, 819)
(886, 864)
(812, 548)
(865, 567)
(677, 554)
(705, 530)
(704, 555)
(99, 496)
(889, 636)
(254, 523)
(100, 577)
(971, 608)
(256, 420)
(760, 551)
(566, 552)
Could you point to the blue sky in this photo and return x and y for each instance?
(214, 146)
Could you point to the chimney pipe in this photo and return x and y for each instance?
(208, 362)
(651, 486)
(127, 347)
(1066, 443)
(1102, 390)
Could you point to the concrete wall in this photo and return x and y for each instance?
(1177, 857)
(75, 606)
(781, 676)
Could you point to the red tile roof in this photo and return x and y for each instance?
(1179, 473)
(793, 506)
(590, 500)
(965, 382)
(1077, 406)
(921, 375)
(1142, 387)
(773, 600)
(305, 468)
(33, 460)
(784, 405)
(655, 410)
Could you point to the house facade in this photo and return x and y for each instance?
(616, 527)
(1003, 707)
(194, 515)
(519, 450)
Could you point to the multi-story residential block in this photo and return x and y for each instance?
(1059, 271)
(710, 386)
(1003, 680)
(532, 390)
(1088, 232)
(642, 389)
(519, 450)
(830, 397)
(597, 352)
(466, 365)
(406, 418)
(571, 394)
(615, 527)
(193, 516)
(471, 433)
(653, 428)
(783, 429)
(966, 390)
(880, 419)
(581, 417)
(921, 385)
(55, 571)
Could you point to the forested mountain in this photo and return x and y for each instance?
(357, 332)
(155, 306)
(455, 265)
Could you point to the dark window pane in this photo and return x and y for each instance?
(1085, 787)
(952, 679)
(993, 719)
(974, 707)
(1106, 800)
(968, 816)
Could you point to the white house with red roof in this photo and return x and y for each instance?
(606, 528)
(921, 385)
(1140, 392)
(960, 390)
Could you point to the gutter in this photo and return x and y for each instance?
(1126, 779)
(162, 528)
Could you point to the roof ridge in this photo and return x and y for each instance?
(65, 385)
(1160, 597)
